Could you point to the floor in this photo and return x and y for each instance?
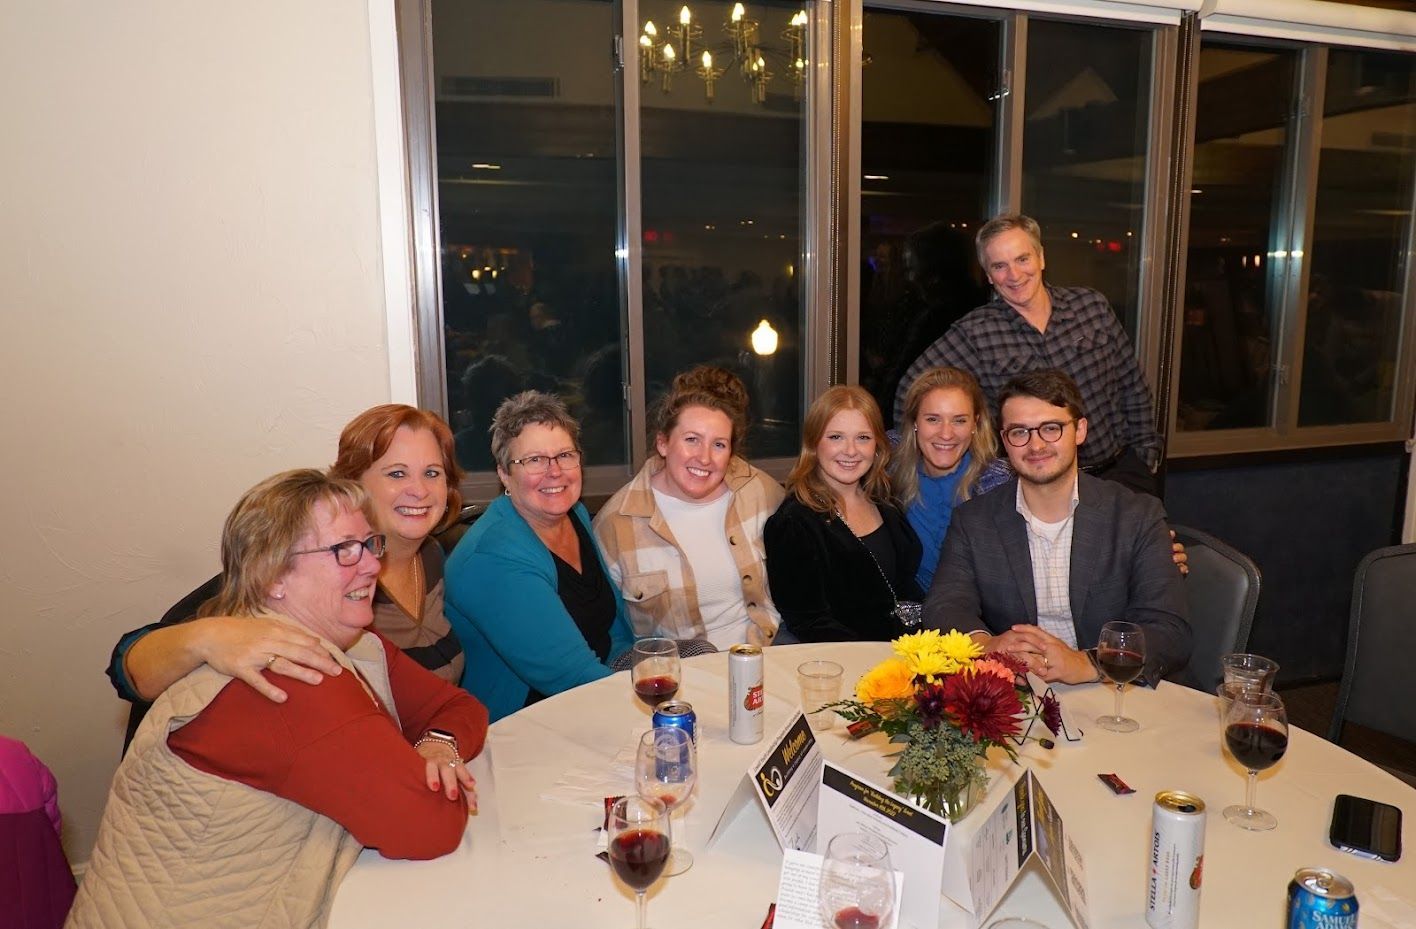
(1310, 707)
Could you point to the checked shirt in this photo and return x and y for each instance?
(1083, 338)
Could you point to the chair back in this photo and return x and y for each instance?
(1222, 590)
(1381, 637)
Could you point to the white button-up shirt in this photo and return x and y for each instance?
(1050, 545)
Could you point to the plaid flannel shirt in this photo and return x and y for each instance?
(1083, 338)
(651, 572)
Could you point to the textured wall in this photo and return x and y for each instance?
(192, 297)
(1306, 525)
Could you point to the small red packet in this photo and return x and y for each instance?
(860, 728)
(771, 916)
(609, 805)
(1117, 785)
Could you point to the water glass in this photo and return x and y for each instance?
(1255, 672)
(820, 683)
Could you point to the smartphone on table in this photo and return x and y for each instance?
(1366, 828)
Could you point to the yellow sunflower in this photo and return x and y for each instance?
(889, 680)
(930, 653)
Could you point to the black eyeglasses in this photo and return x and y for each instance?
(1018, 436)
(348, 552)
(540, 464)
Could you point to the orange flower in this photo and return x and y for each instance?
(995, 667)
(889, 680)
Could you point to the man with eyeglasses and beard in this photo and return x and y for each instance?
(1039, 565)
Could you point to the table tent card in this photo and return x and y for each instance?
(916, 837)
(784, 779)
(1024, 825)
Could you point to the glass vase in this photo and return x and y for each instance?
(950, 800)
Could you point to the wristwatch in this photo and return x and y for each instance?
(1096, 665)
(443, 737)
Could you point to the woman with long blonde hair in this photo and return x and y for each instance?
(841, 558)
(948, 454)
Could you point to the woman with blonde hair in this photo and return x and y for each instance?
(949, 454)
(683, 540)
(841, 557)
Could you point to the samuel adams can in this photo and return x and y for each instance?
(679, 715)
(745, 695)
(1321, 899)
(1177, 860)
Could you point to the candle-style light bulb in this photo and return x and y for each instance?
(669, 53)
(764, 338)
(645, 41)
(685, 17)
(738, 12)
(799, 19)
(707, 60)
(650, 28)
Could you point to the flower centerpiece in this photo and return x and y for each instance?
(947, 704)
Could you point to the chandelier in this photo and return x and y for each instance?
(681, 49)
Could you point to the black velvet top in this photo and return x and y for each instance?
(824, 581)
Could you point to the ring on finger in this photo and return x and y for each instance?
(270, 661)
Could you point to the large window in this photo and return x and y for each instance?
(1233, 277)
(1085, 140)
(929, 92)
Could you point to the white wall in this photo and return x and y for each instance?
(192, 298)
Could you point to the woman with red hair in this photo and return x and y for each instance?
(405, 460)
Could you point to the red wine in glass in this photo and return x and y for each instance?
(655, 690)
(852, 917)
(638, 857)
(1120, 665)
(1256, 747)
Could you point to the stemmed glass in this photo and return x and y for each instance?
(1120, 653)
(654, 670)
(639, 844)
(857, 882)
(666, 768)
(1256, 733)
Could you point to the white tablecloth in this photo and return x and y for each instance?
(527, 860)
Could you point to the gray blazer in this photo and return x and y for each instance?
(1121, 569)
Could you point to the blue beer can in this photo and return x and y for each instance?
(678, 714)
(1321, 899)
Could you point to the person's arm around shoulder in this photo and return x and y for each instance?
(147, 661)
(1156, 590)
(508, 591)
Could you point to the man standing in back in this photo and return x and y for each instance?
(1029, 326)
(1038, 566)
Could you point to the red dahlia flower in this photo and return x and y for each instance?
(983, 705)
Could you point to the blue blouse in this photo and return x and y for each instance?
(931, 512)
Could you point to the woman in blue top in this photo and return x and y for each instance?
(949, 454)
(527, 589)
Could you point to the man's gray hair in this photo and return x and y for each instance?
(527, 408)
(1006, 222)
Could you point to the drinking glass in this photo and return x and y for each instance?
(1120, 653)
(654, 670)
(1256, 734)
(639, 844)
(857, 882)
(820, 683)
(1255, 672)
(666, 768)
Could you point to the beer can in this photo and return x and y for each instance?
(745, 695)
(679, 715)
(1321, 899)
(1177, 859)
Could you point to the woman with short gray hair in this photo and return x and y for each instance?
(527, 588)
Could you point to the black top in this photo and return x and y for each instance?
(587, 597)
(824, 581)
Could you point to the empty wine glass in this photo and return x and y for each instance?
(654, 670)
(1120, 653)
(666, 768)
(857, 882)
(1256, 734)
(639, 844)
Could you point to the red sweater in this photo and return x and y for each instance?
(330, 747)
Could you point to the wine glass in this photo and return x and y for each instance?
(1120, 653)
(1256, 733)
(654, 670)
(857, 882)
(639, 844)
(666, 768)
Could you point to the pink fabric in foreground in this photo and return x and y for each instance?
(35, 881)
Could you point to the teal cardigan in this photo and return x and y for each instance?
(502, 602)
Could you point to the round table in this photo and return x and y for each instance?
(527, 859)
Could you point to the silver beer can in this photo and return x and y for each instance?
(1177, 859)
(745, 695)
